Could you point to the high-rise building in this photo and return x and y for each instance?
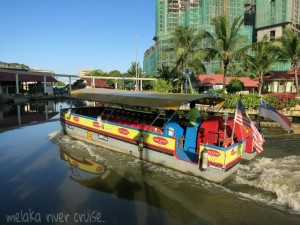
(272, 16)
(195, 14)
(261, 17)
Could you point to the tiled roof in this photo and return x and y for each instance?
(214, 79)
(98, 83)
(281, 75)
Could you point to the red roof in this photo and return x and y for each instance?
(214, 79)
(281, 75)
(4, 76)
(98, 83)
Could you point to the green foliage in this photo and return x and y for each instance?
(115, 73)
(162, 86)
(249, 101)
(288, 48)
(19, 66)
(134, 70)
(283, 101)
(225, 40)
(186, 50)
(60, 84)
(235, 85)
(261, 59)
(96, 73)
(166, 73)
(253, 101)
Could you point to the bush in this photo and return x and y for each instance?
(253, 101)
(162, 86)
(235, 85)
(284, 100)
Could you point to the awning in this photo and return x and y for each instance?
(144, 99)
(5, 76)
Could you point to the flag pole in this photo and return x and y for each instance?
(233, 126)
(258, 117)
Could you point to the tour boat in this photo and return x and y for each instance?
(145, 125)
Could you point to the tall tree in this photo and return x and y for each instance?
(288, 48)
(225, 41)
(134, 71)
(261, 60)
(186, 46)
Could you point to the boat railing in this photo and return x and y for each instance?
(147, 121)
(215, 138)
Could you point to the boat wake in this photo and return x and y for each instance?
(272, 181)
(66, 142)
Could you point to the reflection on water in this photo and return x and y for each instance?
(30, 112)
(121, 176)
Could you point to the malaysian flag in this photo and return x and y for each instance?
(244, 120)
(266, 110)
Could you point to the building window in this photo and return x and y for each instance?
(272, 34)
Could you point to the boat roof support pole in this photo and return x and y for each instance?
(175, 111)
(104, 111)
(158, 116)
(114, 107)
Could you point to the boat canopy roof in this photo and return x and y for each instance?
(170, 101)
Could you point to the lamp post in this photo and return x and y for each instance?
(225, 118)
(136, 66)
(186, 74)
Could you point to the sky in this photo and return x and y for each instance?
(66, 36)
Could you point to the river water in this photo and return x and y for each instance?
(46, 178)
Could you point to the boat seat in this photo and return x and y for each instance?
(209, 132)
(158, 130)
(191, 136)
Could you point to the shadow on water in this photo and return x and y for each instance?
(127, 186)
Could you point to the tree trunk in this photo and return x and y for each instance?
(260, 84)
(224, 77)
(190, 84)
(296, 80)
(189, 80)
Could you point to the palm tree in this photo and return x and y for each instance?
(226, 42)
(134, 71)
(166, 73)
(288, 48)
(187, 52)
(261, 60)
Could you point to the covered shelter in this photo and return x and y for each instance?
(280, 82)
(11, 83)
(17, 81)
